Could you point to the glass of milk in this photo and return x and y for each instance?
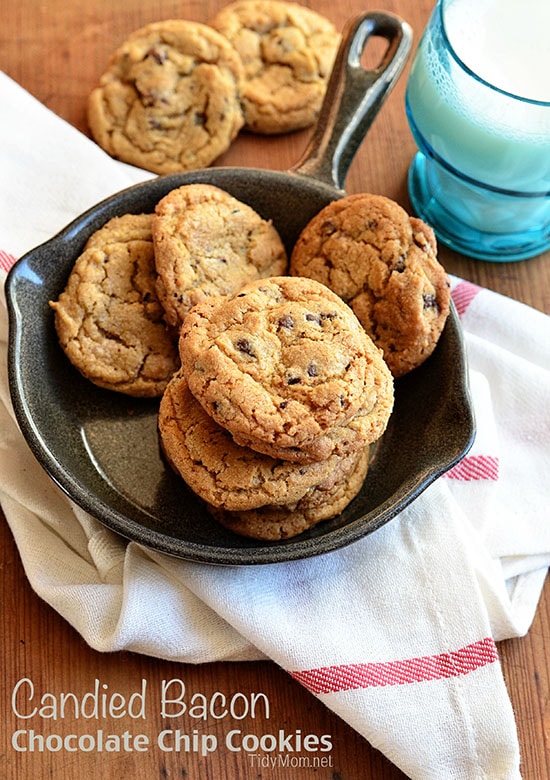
(478, 104)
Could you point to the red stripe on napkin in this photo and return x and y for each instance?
(463, 294)
(475, 467)
(347, 677)
(6, 260)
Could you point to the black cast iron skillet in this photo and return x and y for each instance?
(102, 448)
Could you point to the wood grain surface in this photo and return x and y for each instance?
(57, 50)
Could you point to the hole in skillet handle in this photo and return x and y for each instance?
(354, 95)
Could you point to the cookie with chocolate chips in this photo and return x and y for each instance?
(169, 100)
(363, 428)
(287, 52)
(282, 363)
(322, 502)
(109, 320)
(209, 243)
(383, 263)
(222, 473)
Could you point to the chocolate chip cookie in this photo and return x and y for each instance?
(383, 263)
(218, 470)
(288, 52)
(209, 243)
(282, 362)
(108, 318)
(169, 98)
(366, 426)
(322, 502)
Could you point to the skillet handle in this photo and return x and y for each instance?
(354, 96)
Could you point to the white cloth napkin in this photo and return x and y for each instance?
(395, 633)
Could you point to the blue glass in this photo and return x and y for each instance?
(481, 177)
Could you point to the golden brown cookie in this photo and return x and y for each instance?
(217, 469)
(209, 243)
(168, 100)
(109, 320)
(384, 264)
(282, 362)
(365, 427)
(322, 502)
(288, 52)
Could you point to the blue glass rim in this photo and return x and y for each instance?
(477, 77)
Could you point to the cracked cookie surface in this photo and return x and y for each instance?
(383, 263)
(366, 426)
(168, 100)
(109, 320)
(281, 363)
(288, 52)
(322, 502)
(221, 472)
(209, 243)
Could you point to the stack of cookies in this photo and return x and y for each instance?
(279, 395)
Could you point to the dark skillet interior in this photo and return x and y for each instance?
(102, 447)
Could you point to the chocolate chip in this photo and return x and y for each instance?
(157, 54)
(312, 370)
(244, 345)
(293, 380)
(328, 227)
(318, 318)
(420, 240)
(430, 301)
(153, 97)
(286, 322)
(313, 318)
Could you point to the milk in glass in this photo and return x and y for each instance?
(475, 124)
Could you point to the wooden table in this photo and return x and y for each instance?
(57, 51)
